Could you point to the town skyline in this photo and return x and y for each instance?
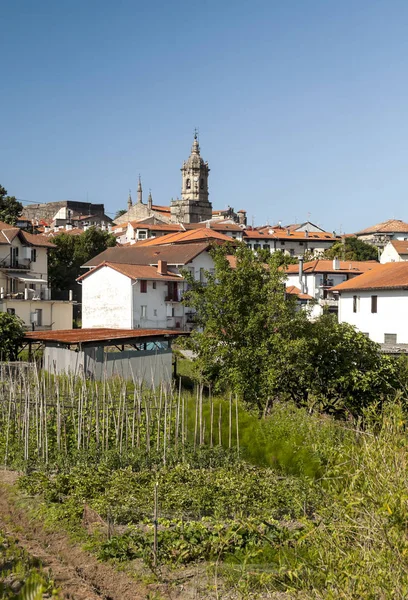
(300, 109)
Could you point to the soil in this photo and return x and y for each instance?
(78, 574)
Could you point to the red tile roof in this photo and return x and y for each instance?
(76, 336)
(383, 277)
(135, 272)
(401, 246)
(8, 233)
(138, 254)
(390, 226)
(326, 266)
(193, 235)
(292, 289)
(282, 234)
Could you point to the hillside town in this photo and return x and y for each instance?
(138, 282)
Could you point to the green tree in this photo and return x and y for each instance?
(10, 207)
(242, 317)
(72, 251)
(351, 248)
(252, 339)
(11, 336)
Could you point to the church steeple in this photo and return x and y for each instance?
(129, 201)
(194, 205)
(150, 201)
(139, 192)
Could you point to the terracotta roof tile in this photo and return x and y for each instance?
(137, 254)
(135, 272)
(292, 289)
(326, 266)
(401, 246)
(382, 277)
(390, 226)
(193, 235)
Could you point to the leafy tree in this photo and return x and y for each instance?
(11, 336)
(254, 341)
(351, 248)
(10, 207)
(242, 317)
(72, 251)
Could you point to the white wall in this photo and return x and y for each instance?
(389, 254)
(392, 308)
(154, 299)
(107, 299)
(55, 314)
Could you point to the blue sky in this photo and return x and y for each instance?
(301, 104)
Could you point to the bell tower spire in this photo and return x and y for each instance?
(139, 192)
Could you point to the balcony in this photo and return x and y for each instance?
(172, 299)
(14, 267)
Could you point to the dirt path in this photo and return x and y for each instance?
(79, 575)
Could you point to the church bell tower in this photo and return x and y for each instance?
(194, 205)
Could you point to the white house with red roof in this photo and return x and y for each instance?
(376, 303)
(317, 277)
(394, 251)
(382, 233)
(24, 290)
(293, 242)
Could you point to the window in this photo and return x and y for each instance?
(33, 254)
(201, 184)
(38, 312)
(173, 312)
(155, 312)
(188, 184)
(202, 275)
(390, 338)
(14, 257)
(143, 286)
(266, 247)
(11, 311)
(154, 285)
(143, 311)
(257, 246)
(292, 252)
(141, 235)
(282, 243)
(354, 304)
(373, 304)
(300, 243)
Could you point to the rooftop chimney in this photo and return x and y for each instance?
(162, 267)
(336, 264)
(302, 285)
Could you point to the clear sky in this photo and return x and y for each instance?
(301, 105)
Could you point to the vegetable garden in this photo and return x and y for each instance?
(294, 502)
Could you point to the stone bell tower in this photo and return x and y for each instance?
(194, 205)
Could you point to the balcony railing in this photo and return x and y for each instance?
(15, 267)
(172, 299)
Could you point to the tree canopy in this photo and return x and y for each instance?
(254, 339)
(72, 251)
(10, 207)
(352, 249)
(11, 336)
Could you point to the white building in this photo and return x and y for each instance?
(141, 285)
(24, 287)
(317, 277)
(291, 242)
(379, 235)
(376, 303)
(395, 251)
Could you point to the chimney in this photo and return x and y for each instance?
(306, 233)
(288, 231)
(68, 227)
(162, 267)
(336, 264)
(302, 285)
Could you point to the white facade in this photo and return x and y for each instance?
(389, 324)
(24, 289)
(112, 299)
(390, 254)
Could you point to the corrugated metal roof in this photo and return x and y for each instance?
(77, 336)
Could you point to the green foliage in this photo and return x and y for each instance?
(243, 318)
(72, 251)
(11, 336)
(352, 248)
(10, 207)
(22, 576)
